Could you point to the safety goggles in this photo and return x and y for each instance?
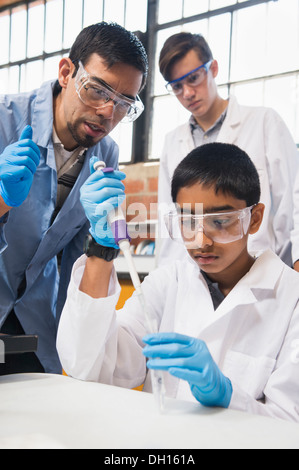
(222, 227)
(193, 79)
(97, 94)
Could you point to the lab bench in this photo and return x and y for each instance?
(58, 412)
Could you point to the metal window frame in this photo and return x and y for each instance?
(138, 128)
(154, 28)
(142, 129)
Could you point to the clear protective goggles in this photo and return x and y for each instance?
(97, 94)
(193, 79)
(222, 227)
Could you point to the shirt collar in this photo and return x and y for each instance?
(194, 124)
(42, 120)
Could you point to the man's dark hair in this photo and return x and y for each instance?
(113, 43)
(177, 47)
(225, 167)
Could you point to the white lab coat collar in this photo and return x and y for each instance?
(233, 112)
(249, 289)
(256, 278)
(228, 131)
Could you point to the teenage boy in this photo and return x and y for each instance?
(40, 211)
(190, 70)
(227, 322)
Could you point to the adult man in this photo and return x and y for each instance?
(187, 64)
(97, 87)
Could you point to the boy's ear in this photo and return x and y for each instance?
(257, 215)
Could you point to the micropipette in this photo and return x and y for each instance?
(119, 229)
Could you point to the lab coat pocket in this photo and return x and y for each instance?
(251, 374)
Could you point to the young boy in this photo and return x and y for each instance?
(228, 323)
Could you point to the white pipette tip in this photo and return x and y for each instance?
(99, 165)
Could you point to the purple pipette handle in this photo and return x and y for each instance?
(120, 230)
(107, 170)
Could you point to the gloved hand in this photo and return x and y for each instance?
(189, 359)
(101, 193)
(18, 164)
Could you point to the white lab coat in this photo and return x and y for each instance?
(252, 336)
(262, 134)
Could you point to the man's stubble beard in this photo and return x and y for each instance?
(86, 142)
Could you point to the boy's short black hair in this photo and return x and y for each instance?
(224, 166)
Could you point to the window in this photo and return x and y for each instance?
(256, 43)
(35, 35)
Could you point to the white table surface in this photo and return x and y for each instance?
(51, 411)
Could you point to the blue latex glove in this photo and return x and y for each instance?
(189, 359)
(18, 164)
(101, 193)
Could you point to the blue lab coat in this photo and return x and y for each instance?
(28, 242)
